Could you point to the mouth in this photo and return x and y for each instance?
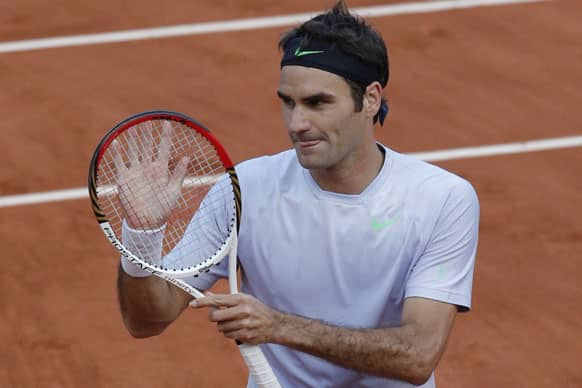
(307, 143)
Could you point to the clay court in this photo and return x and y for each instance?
(460, 78)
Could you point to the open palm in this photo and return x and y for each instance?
(148, 191)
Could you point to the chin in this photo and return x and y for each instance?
(314, 157)
(310, 162)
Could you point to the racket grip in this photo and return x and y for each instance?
(259, 367)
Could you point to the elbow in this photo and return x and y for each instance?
(416, 374)
(141, 330)
(419, 378)
(421, 372)
(140, 333)
(418, 368)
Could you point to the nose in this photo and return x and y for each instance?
(298, 120)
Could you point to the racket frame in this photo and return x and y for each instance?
(258, 365)
(104, 222)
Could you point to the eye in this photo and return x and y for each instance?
(288, 102)
(314, 103)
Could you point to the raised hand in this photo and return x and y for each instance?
(148, 191)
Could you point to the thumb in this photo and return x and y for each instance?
(180, 172)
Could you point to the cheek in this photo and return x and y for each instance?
(343, 127)
(285, 114)
(348, 134)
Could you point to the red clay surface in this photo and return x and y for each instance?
(459, 78)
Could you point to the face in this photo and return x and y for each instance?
(318, 111)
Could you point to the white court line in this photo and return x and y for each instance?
(188, 182)
(241, 24)
(432, 156)
(500, 149)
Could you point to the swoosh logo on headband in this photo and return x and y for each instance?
(299, 53)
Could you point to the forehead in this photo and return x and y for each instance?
(298, 81)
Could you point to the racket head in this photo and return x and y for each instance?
(208, 169)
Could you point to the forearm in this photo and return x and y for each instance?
(148, 304)
(388, 352)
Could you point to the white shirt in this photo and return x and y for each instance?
(351, 260)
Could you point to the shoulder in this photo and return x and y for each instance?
(430, 192)
(426, 180)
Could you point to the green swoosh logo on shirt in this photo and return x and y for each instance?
(379, 225)
(299, 53)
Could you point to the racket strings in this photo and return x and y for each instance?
(198, 218)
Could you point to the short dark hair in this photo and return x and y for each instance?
(350, 34)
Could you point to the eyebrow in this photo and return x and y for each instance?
(321, 96)
(283, 96)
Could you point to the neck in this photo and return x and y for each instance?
(354, 175)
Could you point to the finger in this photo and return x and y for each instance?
(210, 311)
(217, 300)
(132, 148)
(233, 325)
(194, 301)
(165, 143)
(179, 172)
(228, 314)
(239, 335)
(117, 157)
(148, 141)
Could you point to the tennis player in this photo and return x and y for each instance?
(355, 258)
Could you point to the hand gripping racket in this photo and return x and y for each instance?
(166, 195)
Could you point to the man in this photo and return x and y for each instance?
(355, 258)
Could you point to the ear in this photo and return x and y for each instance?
(372, 99)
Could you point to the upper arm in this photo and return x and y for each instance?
(431, 322)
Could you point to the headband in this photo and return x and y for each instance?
(324, 56)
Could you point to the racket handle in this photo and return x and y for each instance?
(259, 367)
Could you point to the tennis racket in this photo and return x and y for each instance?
(166, 195)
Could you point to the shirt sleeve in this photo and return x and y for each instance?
(444, 271)
(205, 234)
